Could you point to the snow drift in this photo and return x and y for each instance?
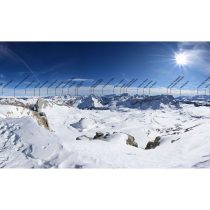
(104, 132)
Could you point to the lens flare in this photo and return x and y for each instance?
(181, 59)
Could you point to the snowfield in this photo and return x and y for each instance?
(104, 132)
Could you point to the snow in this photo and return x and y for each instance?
(84, 123)
(90, 102)
(182, 127)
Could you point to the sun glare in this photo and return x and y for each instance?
(181, 59)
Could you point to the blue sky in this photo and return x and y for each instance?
(93, 60)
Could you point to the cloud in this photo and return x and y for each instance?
(81, 79)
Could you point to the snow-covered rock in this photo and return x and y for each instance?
(84, 123)
(126, 101)
(42, 104)
(150, 102)
(90, 102)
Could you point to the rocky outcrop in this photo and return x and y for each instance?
(100, 135)
(153, 144)
(41, 104)
(90, 102)
(39, 114)
(131, 141)
(41, 119)
(108, 137)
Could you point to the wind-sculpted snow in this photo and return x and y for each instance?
(25, 144)
(104, 132)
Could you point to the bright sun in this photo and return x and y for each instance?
(181, 59)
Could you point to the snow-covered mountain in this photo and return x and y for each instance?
(114, 131)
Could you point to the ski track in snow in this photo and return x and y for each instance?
(24, 143)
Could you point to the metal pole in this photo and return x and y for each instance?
(202, 83)
(147, 85)
(94, 84)
(44, 83)
(153, 84)
(102, 90)
(131, 83)
(206, 87)
(51, 86)
(58, 87)
(175, 83)
(125, 85)
(77, 87)
(180, 92)
(3, 86)
(72, 84)
(36, 86)
(117, 85)
(29, 85)
(98, 82)
(20, 83)
(122, 87)
(141, 85)
(66, 85)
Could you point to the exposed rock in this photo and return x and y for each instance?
(108, 137)
(78, 166)
(174, 140)
(153, 144)
(90, 102)
(98, 135)
(148, 102)
(41, 104)
(131, 141)
(41, 119)
(157, 140)
(83, 137)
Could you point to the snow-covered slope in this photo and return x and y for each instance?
(103, 132)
